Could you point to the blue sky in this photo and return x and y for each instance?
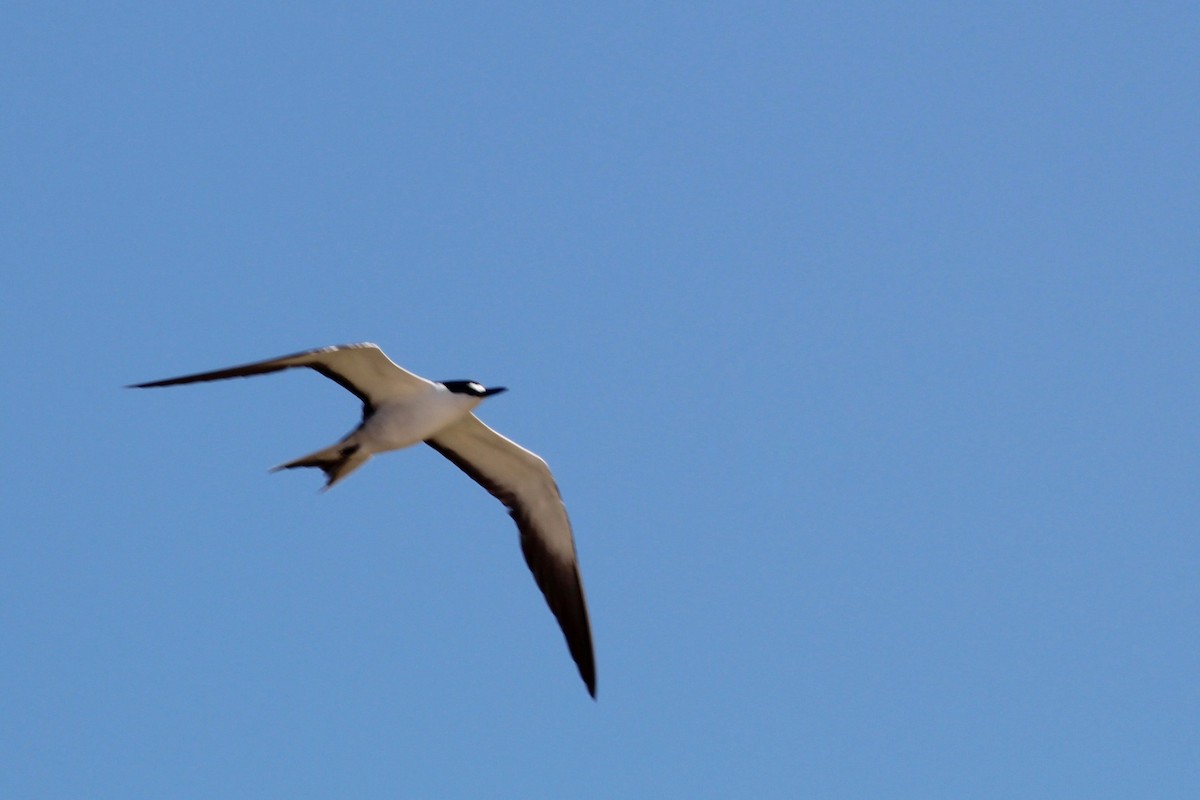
(861, 338)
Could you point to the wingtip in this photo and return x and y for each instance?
(587, 672)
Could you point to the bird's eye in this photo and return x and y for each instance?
(476, 388)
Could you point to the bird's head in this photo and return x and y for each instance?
(473, 388)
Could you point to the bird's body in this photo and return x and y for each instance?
(401, 409)
(408, 420)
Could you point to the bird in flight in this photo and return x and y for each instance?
(401, 409)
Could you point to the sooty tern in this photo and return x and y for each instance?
(401, 409)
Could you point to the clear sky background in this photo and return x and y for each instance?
(862, 339)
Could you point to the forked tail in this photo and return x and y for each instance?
(336, 462)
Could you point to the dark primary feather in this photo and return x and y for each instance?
(563, 589)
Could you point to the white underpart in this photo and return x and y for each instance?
(413, 418)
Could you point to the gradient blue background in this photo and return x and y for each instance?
(862, 339)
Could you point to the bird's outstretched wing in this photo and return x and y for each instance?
(522, 482)
(362, 369)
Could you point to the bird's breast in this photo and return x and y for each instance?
(406, 422)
